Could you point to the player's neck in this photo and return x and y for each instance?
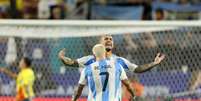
(109, 54)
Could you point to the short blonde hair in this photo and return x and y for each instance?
(99, 50)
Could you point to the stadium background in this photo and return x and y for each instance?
(178, 73)
(107, 9)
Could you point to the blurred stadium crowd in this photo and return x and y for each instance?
(101, 9)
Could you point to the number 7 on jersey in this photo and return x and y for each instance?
(106, 74)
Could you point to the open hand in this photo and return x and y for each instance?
(61, 53)
(159, 58)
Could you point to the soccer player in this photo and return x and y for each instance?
(24, 80)
(103, 78)
(107, 41)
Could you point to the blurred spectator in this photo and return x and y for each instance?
(30, 9)
(184, 2)
(4, 4)
(159, 14)
(148, 40)
(57, 12)
(48, 8)
(52, 9)
(79, 4)
(3, 15)
(43, 9)
(131, 44)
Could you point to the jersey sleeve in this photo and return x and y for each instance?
(127, 65)
(83, 77)
(86, 60)
(123, 75)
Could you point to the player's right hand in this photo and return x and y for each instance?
(61, 54)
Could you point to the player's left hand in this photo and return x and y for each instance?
(159, 58)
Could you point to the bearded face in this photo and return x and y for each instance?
(107, 41)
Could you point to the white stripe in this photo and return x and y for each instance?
(118, 94)
(90, 96)
(111, 80)
(120, 86)
(97, 80)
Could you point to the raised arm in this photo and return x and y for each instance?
(143, 68)
(66, 60)
(78, 92)
(8, 72)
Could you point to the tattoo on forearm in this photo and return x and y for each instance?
(144, 68)
(69, 62)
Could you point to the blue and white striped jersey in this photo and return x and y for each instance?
(127, 65)
(104, 80)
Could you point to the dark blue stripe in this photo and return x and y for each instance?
(122, 62)
(90, 61)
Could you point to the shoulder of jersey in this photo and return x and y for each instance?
(94, 64)
(90, 56)
(116, 57)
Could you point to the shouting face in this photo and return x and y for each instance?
(107, 41)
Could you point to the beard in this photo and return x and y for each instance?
(108, 49)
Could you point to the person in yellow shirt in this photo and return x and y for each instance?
(24, 80)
